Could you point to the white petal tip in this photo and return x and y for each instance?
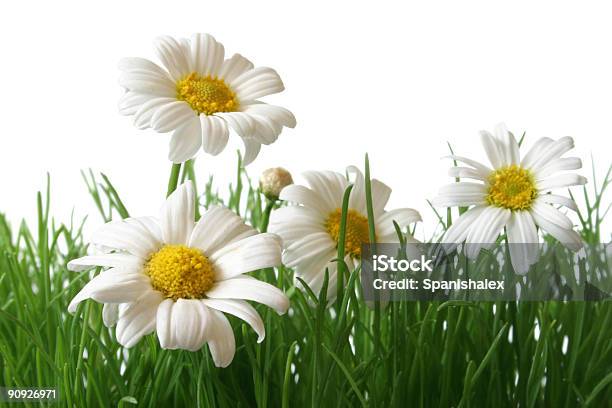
(72, 307)
(283, 308)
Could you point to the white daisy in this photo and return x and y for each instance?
(310, 230)
(513, 194)
(177, 277)
(200, 95)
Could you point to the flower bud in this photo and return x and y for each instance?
(273, 180)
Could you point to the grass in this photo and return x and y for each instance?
(455, 353)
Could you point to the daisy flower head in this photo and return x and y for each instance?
(199, 95)
(513, 193)
(177, 277)
(310, 228)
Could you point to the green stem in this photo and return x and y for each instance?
(372, 238)
(189, 173)
(286, 382)
(174, 177)
(265, 220)
(341, 241)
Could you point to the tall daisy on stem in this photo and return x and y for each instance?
(199, 95)
(513, 193)
(176, 277)
(310, 229)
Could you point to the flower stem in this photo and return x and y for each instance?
(265, 220)
(189, 174)
(341, 271)
(174, 177)
(372, 239)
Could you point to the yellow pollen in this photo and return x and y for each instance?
(511, 187)
(206, 94)
(180, 272)
(357, 231)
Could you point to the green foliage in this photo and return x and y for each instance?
(322, 353)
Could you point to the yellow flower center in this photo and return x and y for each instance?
(180, 272)
(511, 187)
(357, 231)
(206, 95)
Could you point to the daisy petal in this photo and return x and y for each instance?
(483, 170)
(402, 216)
(241, 310)
(215, 134)
(131, 102)
(316, 283)
(461, 194)
(523, 240)
(485, 230)
(567, 237)
(185, 141)
(164, 323)
(466, 172)
(380, 195)
(207, 54)
(243, 124)
(171, 116)
(144, 114)
(222, 343)
(246, 288)
(147, 82)
(559, 200)
(172, 54)
(190, 324)
(463, 200)
(463, 187)
(557, 165)
(266, 131)
(110, 314)
(137, 319)
(357, 200)
(294, 223)
(184, 324)
(234, 67)
(249, 254)
(328, 185)
(537, 150)
(508, 147)
(126, 235)
(178, 215)
(553, 151)
(218, 227)
(312, 267)
(278, 114)
(560, 181)
(309, 246)
(303, 195)
(492, 148)
(113, 286)
(257, 82)
(135, 64)
(105, 260)
(251, 150)
(459, 230)
(149, 224)
(551, 214)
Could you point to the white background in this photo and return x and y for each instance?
(397, 80)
